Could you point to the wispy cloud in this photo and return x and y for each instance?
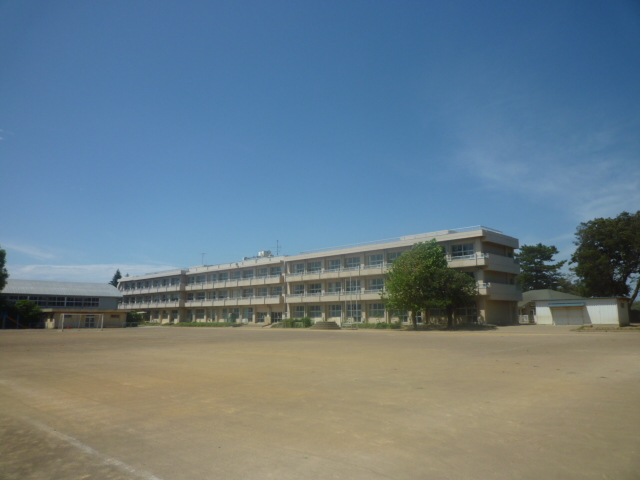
(588, 174)
(29, 250)
(100, 273)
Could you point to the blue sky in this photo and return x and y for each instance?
(138, 135)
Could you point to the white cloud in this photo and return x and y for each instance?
(101, 273)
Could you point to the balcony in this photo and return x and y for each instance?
(500, 291)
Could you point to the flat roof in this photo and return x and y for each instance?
(41, 287)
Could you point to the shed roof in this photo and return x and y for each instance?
(40, 287)
(545, 294)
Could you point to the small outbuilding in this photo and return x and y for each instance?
(549, 307)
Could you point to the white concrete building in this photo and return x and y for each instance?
(337, 284)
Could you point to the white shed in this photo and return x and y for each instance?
(585, 311)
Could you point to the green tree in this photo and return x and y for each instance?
(607, 256)
(420, 279)
(4, 275)
(28, 311)
(116, 276)
(537, 270)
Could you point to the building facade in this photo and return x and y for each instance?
(71, 304)
(341, 284)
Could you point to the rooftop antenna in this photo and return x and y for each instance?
(203, 254)
(277, 248)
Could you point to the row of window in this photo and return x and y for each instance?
(160, 282)
(336, 264)
(56, 301)
(349, 286)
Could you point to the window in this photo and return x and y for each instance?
(156, 283)
(298, 311)
(201, 279)
(263, 272)
(298, 268)
(352, 286)
(213, 277)
(200, 296)
(276, 270)
(190, 297)
(315, 311)
(222, 294)
(247, 274)
(315, 289)
(335, 311)
(156, 315)
(353, 262)
(467, 314)
(247, 292)
(263, 292)
(236, 293)
(375, 260)
(376, 310)
(377, 284)
(354, 311)
(335, 264)
(464, 250)
(314, 267)
(298, 289)
(335, 287)
(402, 315)
(247, 314)
(236, 275)
(211, 295)
(392, 256)
(174, 281)
(223, 277)
(199, 314)
(231, 314)
(192, 280)
(276, 291)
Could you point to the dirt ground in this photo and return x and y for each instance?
(163, 403)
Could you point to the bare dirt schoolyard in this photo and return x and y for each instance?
(162, 403)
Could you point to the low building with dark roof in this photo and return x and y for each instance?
(70, 304)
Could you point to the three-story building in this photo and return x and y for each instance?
(339, 284)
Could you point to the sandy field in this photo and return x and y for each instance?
(164, 403)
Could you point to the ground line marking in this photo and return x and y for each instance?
(92, 451)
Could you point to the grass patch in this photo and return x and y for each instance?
(203, 324)
(380, 326)
(607, 328)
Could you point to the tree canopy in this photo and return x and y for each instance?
(28, 310)
(607, 256)
(537, 270)
(420, 279)
(4, 275)
(116, 276)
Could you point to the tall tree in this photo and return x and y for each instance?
(4, 275)
(537, 268)
(607, 256)
(420, 279)
(116, 276)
